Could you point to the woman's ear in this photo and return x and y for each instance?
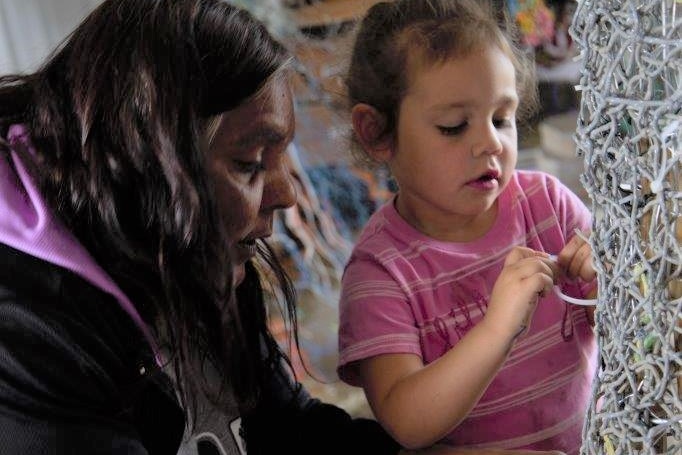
(369, 124)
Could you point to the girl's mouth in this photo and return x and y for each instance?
(487, 181)
(487, 177)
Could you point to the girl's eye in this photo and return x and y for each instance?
(249, 167)
(452, 130)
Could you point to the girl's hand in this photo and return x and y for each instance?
(575, 259)
(526, 276)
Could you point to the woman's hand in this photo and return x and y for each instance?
(526, 275)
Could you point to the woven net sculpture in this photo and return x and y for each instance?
(630, 135)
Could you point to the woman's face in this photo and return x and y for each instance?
(249, 167)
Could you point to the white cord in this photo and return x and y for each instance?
(573, 300)
(568, 298)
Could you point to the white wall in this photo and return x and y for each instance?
(31, 29)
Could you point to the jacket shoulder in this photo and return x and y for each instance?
(74, 365)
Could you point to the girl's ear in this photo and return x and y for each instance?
(369, 124)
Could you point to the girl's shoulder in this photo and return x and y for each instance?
(539, 195)
(526, 178)
(533, 184)
(384, 229)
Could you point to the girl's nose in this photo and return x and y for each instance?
(487, 141)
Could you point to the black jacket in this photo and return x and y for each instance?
(77, 377)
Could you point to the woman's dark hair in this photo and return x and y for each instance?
(395, 36)
(118, 115)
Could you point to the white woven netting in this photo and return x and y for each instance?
(629, 133)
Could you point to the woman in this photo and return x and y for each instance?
(140, 169)
(117, 169)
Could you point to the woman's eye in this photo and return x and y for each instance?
(452, 130)
(249, 167)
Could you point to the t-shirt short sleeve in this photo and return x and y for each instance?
(375, 316)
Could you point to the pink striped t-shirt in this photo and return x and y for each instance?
(404, 292)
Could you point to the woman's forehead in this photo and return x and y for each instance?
(268, 114)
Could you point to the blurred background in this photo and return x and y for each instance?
(336, 197)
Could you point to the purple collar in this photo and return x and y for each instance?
(28, 225)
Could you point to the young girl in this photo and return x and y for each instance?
(447, 319)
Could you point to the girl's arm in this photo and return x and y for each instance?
(420, 404)
(448, 450)
(289, 420)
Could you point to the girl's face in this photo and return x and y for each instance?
(249, 168)
(455, 145)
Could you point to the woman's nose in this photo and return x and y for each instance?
(280, 189)
(487, 141)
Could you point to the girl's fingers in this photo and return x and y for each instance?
(542, 283)
(553, 267)
(576, 259)
(518, 253)
(536, 265)
(535, 277)
(587, 272)
(569, 250)
(581, 263)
